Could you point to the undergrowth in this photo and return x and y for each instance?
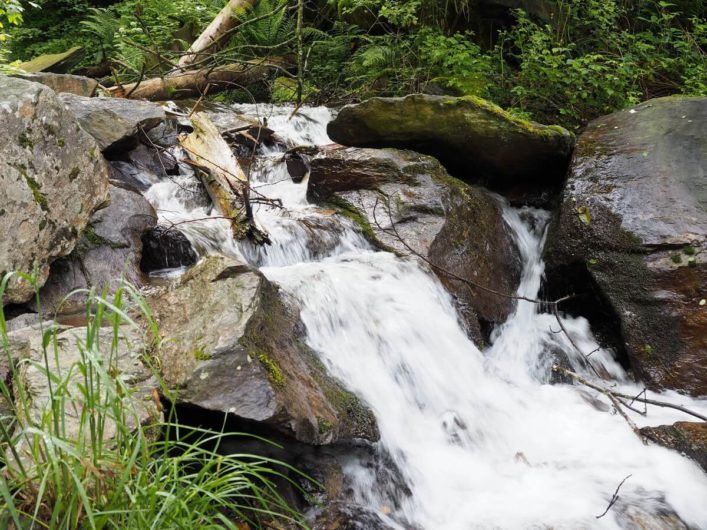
(76, 454)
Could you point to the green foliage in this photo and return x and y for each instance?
(101, 26)
(10, 15)
(588, 63)
(268, 29)
(408, 14)
(395, 64)
(110, 472)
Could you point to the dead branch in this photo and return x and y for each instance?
(220, 172)
(195, 82)
(614, 497)
(618, 395)
(212, 38)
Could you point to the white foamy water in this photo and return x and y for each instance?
(480, 438)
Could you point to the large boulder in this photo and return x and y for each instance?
(110, 249)
(473, 138)
(405, 201)
(631, 229)
(52, 177)
(114, 122)
(233, 346)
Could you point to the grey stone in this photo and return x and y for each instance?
(231, 345)
(406, 201)
(71, 84)
(110, 250)
(52, 177)
(114, 122)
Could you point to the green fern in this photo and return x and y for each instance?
(268, 29)
(101, 25)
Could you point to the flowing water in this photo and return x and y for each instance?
(481, 439)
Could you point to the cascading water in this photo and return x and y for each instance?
(480, 438)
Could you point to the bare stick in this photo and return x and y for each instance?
(614, 497)
(607, 392)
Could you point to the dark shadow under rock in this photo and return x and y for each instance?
(165, 248)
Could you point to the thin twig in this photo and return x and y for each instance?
(614, 497)
(620, 395)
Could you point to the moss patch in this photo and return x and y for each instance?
(97, 241)
(271, 367)
(35, 188)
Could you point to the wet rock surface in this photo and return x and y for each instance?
(473, 138)
(114, 122)
(165, 248)
(233, 346)
(52, 177)
(406, 202)
(688, 438)
(633, 224)
(109, 251)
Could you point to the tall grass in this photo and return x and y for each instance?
(85, 461)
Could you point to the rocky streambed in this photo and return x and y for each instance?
(387, 337)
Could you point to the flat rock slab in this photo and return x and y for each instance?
(52, 177)
(114, 122)
(473, 138)
(634, 217)
(71, 84)
(59, 63)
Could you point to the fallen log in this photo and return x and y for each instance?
(196, 82)
(213, 38)
(219, 171)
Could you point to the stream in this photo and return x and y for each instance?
(480, 438)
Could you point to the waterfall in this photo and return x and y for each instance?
(480, 438)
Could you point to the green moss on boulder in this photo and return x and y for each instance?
(472, 137)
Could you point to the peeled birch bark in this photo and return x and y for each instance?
(222, 175)
(213, 38)
(195, 83)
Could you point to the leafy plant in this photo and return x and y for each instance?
(101, 25)
(589, 62)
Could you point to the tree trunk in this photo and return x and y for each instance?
(212, 39)
(194, 83)
(222, 174)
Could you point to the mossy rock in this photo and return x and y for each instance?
(473, 138)
(232, 345)
(58, 63)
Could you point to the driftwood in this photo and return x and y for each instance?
(214, 37)
(196, 82)
(221, 173)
